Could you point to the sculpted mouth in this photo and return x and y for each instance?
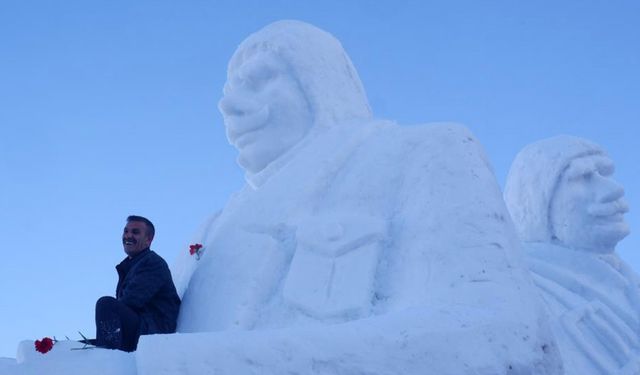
(241, 127)
(246, 138)
(609, 211)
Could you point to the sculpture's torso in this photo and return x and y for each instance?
(594, 301)
(331, 237)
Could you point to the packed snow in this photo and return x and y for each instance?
(68, 357)
(570, 214)
(362, 246)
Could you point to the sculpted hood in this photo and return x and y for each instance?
(319, 63)
(533, 178)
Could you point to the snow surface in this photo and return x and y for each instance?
(65, 358)
(357, 245)
(570, 214)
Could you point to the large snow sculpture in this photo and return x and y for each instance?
(569, 212)
(357, 246)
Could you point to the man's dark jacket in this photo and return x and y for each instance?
(145, 285)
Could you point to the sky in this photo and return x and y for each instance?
(109, 108)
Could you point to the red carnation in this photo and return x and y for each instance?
(44, 345)
(195, 249)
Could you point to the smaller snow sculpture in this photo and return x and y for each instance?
(570, 215)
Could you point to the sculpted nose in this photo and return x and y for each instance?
(610, 190)
(236, 104)
(226, 105)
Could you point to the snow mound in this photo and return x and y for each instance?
(67, 358)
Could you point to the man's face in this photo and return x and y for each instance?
(587, 209)
(134, 237)
(264, 110)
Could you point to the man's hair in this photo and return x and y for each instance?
(151, 230)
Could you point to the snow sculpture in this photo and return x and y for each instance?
(569, 212)
(357, 246)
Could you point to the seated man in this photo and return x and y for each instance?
(146, 300)
(570, 215)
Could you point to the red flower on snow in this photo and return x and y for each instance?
(44, 345)
(194, 249)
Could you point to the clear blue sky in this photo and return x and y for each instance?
(108, 108)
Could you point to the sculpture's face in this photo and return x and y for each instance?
(265, 111)
(587, 209)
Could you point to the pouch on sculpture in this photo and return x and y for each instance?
(333, 269)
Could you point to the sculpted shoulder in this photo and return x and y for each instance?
(446, 145)
(447, 137)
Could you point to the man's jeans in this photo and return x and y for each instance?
(117, 325)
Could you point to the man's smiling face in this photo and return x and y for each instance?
(135, 238)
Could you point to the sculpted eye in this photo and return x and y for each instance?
(258, 80)
(264, 74)
(580, 176)
(606, 170)
(268, 74)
